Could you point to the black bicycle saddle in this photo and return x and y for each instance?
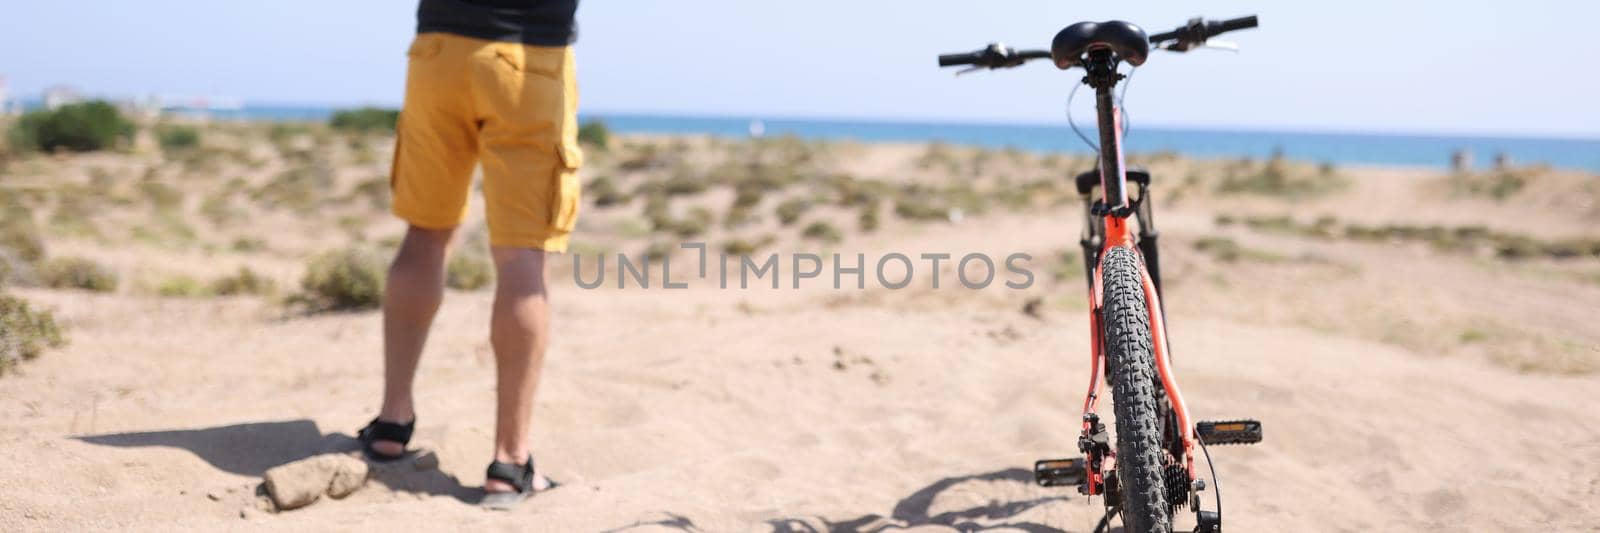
(1125, 39)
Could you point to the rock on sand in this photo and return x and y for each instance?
(300, 483)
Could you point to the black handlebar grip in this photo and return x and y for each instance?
(950, 60)
(1161, 37)
(1239, 23)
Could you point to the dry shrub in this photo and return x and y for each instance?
(792, 209)
(243, 282)
(299, 189)
(869, 221)
(341, 280)
(1278, 177)
(1226, 250)
(605, 192)
(822, 231)
(747, 247)
(182, 286)
(469, 272)
(25, 332)
(19, 236)
(78, 273)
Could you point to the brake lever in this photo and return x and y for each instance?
(968, 70)
(1214, 44)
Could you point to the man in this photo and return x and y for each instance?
(488, 81)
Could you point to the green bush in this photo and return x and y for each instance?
(1279, 178)
(365, 120)
(1226, 250)
(248, 244)
(468, 272)
(694, 225)
(605, 192)
(282, 132)
(738, 216)
(747, 196)
(177, 137)
(790, 210)
(245, 281)
(913, 207)
(683, 184)
(746, 247)
(299, 188)
(181, 287)
(81, 127)
(868, 221)
(655, 252)
(19, 237)
(349, 279)
(822, 231)
(25, 332)
(658, 210)
(594, 133)
(78, 273)
(1222, 248)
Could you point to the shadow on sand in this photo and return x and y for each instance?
(250, 449)
(916, 509)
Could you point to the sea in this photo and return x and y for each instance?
(1433, 151)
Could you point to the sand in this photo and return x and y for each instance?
(818, 409)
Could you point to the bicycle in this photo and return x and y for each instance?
(1149, 473)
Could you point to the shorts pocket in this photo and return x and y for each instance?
(542, 60)
(567, 197)
(425, 46)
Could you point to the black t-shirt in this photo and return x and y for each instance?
(537, 22)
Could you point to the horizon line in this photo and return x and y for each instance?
(1213, 128)
(1317, 130)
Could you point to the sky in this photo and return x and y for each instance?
(1463, 67)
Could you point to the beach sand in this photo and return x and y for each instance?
(1401, 387)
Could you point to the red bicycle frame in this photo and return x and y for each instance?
(1116, 209)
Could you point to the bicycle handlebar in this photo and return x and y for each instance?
(951, 60)
(1198, 30)
(1241, 23)
(1193, 34)
(996, 55)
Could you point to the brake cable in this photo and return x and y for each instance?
(1121, 98)
(1216, 485)
(1092, 146)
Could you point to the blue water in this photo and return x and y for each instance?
(1340, 148)
(1343, 148)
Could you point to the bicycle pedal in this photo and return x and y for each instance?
(1059, 472)
(1229, 432)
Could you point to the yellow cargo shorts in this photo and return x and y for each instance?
(512, 107)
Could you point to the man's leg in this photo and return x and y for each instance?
(519, 332)
(410, 299)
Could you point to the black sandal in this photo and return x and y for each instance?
(386, 431)
(520, 478)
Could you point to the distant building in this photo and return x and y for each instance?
(5, 97)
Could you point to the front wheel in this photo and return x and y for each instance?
(1134, 394)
